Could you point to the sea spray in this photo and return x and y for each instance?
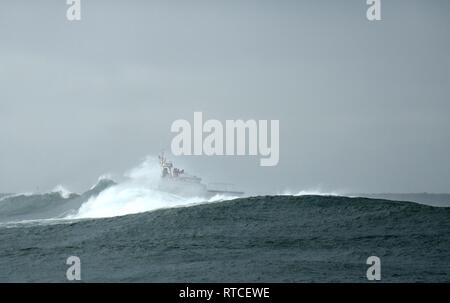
(137, 193)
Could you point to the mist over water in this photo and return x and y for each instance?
(137, 193)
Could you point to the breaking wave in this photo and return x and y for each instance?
(261, 239)
(309, 192)
(62, 191)
(138, 192)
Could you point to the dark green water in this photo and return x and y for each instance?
(262, 239)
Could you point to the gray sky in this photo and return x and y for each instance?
(363, 106)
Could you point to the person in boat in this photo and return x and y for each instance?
(177, 172)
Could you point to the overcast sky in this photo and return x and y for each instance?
(363, 106)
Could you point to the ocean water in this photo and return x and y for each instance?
(122, 236)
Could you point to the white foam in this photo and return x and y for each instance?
(138, 193)
(309, 192)
(102, 178)
(62, 191)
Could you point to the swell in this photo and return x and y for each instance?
(260, 239)
(25, 207)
